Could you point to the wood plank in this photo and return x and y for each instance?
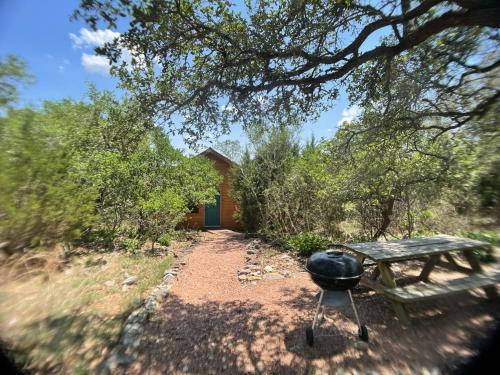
(473, 260)
(421, 291)
(409, 249)
(429, 266)
(388, 280)
(457, 268)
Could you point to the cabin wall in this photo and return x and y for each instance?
(228, 207)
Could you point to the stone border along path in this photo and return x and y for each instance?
(125, 352)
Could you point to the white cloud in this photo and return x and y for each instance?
(88, 38)
(349, 114)
(62, 67)
(95, 63)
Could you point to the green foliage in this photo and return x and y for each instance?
(164, 209)
(271, 59)
(165, 239)
(490, 236)
(12, 73)
(256, 183)
(131, 244)
(42, 195)
(307, 243)
(92, 171)
(489, 188)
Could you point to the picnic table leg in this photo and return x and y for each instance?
(375, 274)
(429, 266)
(388, 280)
(490, 291)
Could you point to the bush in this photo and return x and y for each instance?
(131, 244)
(307, 243)
(165, 239)
(491, 237)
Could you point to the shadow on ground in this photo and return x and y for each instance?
(244, 337)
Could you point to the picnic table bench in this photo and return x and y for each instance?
(431, 249)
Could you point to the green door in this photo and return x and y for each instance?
(212, 213)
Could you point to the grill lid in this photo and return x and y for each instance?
(333, 264)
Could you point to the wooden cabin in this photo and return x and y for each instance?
(220, 214)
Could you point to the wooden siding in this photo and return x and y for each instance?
(228, 207)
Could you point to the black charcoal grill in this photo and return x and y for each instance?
(336, 273)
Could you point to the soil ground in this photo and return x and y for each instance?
(212, 324)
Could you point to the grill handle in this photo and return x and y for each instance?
(336, 245)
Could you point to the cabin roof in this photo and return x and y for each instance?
(211, 151)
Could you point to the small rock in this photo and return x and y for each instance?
(164, 291)
(242, 277)
(185, 369)
(136, 302)
(361, 345)
(110, 283)
(268, 269)
(253, 277)
(286, 273)
(273, 276)
(130, 280)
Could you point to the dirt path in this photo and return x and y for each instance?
(212, 324)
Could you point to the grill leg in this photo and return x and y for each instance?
(354, 308)
(318, 308)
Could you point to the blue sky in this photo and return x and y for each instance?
(63, 64)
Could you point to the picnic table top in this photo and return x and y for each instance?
(413, 248)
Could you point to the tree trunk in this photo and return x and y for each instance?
(387, 209)
(409, 216)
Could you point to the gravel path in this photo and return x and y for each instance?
(212, 324)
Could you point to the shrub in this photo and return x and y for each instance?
(492, 237)
(131, 244)
(165, 239)
(307, 243)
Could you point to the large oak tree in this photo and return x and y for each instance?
(211, 63)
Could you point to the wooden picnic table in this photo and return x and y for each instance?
(430, 249)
